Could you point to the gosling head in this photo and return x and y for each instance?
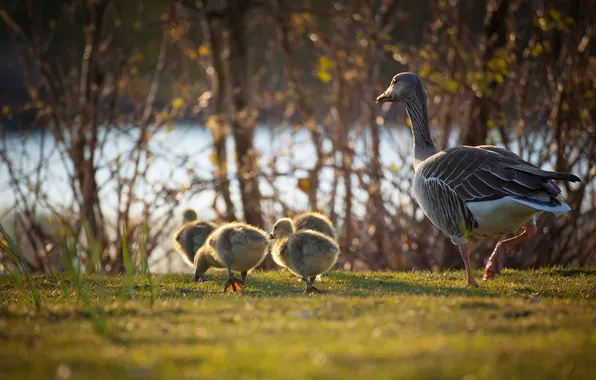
(284, 227)
(404, 87)
(189, 215)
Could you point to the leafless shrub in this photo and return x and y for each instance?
(519, 74)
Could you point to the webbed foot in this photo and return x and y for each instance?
(234, 285)
(312, 290)
(494, 264)
(202, 278)
(489, 274)
(491, 270)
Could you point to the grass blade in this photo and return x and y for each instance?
(94, 263)
(14, 253)
(129, 266)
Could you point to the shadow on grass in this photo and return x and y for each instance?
(569, 272)
(78, 312)
(335, 283)
(384, 283)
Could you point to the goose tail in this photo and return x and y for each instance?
(564, 177)
(547, 174)
(553, 205)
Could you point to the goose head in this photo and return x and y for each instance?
(283, 228)
(404, 87)
(189, 215)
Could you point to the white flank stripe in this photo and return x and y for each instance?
(562, 208)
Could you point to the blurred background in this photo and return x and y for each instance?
(119, 114)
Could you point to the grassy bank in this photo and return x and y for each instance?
(536, 324)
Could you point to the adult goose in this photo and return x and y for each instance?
(467, 190)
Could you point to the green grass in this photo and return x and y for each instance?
(537, 324)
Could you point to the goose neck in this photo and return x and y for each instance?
(423, 145)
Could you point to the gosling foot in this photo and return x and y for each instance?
(312, 290)
(472, 284)
(234, 285)
(202, 278)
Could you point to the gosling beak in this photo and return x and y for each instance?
(384, 97)
(271, 237)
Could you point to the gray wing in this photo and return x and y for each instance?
(485, 173)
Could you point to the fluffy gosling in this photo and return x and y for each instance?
(191, 235)
(305, 253)
(236, 247)
(316, 221)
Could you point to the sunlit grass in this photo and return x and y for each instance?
(150, 280)
(73, 277)
(15, 259)
(535, 324)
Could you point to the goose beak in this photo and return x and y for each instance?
(384, 97)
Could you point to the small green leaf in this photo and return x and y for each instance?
(555, 14)
(324, 76)
(453, 86)
(325, 63)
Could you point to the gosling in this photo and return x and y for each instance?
(305, 253)
(313, 220)
(316, 221)
(236, 247)
(191, 235)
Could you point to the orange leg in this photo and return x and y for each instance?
(496, 260)
(464, 249)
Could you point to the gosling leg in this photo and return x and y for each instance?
(243, 274)
(310, 289)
